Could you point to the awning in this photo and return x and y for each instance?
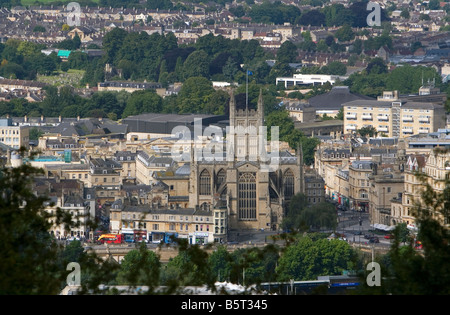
(382, 227)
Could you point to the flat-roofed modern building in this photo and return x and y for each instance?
(309, 79)
(393, 117)
(14, 136)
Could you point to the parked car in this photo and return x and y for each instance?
(374, 239)
(389, 236)
(367, 236)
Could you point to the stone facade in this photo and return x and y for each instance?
(254, 197)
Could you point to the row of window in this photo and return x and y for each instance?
(10, 132)
(172, 227)
(406, 110)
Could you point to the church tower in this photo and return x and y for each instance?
(252, 195)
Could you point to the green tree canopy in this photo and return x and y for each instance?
(196, 65)
(307, 259)
(143, 101)
(194, 95)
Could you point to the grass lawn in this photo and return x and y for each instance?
(71, 77)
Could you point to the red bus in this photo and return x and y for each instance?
(110, 239)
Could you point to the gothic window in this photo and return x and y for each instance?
(205, 183)
(288, 184)
(247, 196)
(221, 175)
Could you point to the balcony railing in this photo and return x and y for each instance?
(350, 116)
(407, 119)
(407, 130)
(367, 117)
(383, 129)
(424, 120)
(383, 118)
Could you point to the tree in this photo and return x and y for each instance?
(220, 262)
(28, 49)
(142, 102)
(424, 17)
(39, 28)
(337, 14)
(254, 265)
(307, 259)
(296, 206)
(405, 14)
(30, 265)
(160, 4)
(434, 5)
(287, 53)
(340, 114)
(35, 133)
(218, 103)
(196, 65)
(345, 33)
(376, 66)
(335, 68)
(312, 18)
(189, 267)
(112, 42)
(140, 266)
(318, 216)
(194, 95)
(367, 131)
(230, 69)
(408, 79)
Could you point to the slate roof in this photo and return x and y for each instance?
(335, 98)
(85, 127)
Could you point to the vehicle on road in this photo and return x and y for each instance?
(374, 239)
(389, 236)
(110, 239)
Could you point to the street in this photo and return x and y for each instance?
(348, 225)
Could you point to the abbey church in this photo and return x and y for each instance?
(245, 189)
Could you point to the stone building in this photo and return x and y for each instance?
(254, 191)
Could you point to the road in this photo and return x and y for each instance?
(348, 225)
